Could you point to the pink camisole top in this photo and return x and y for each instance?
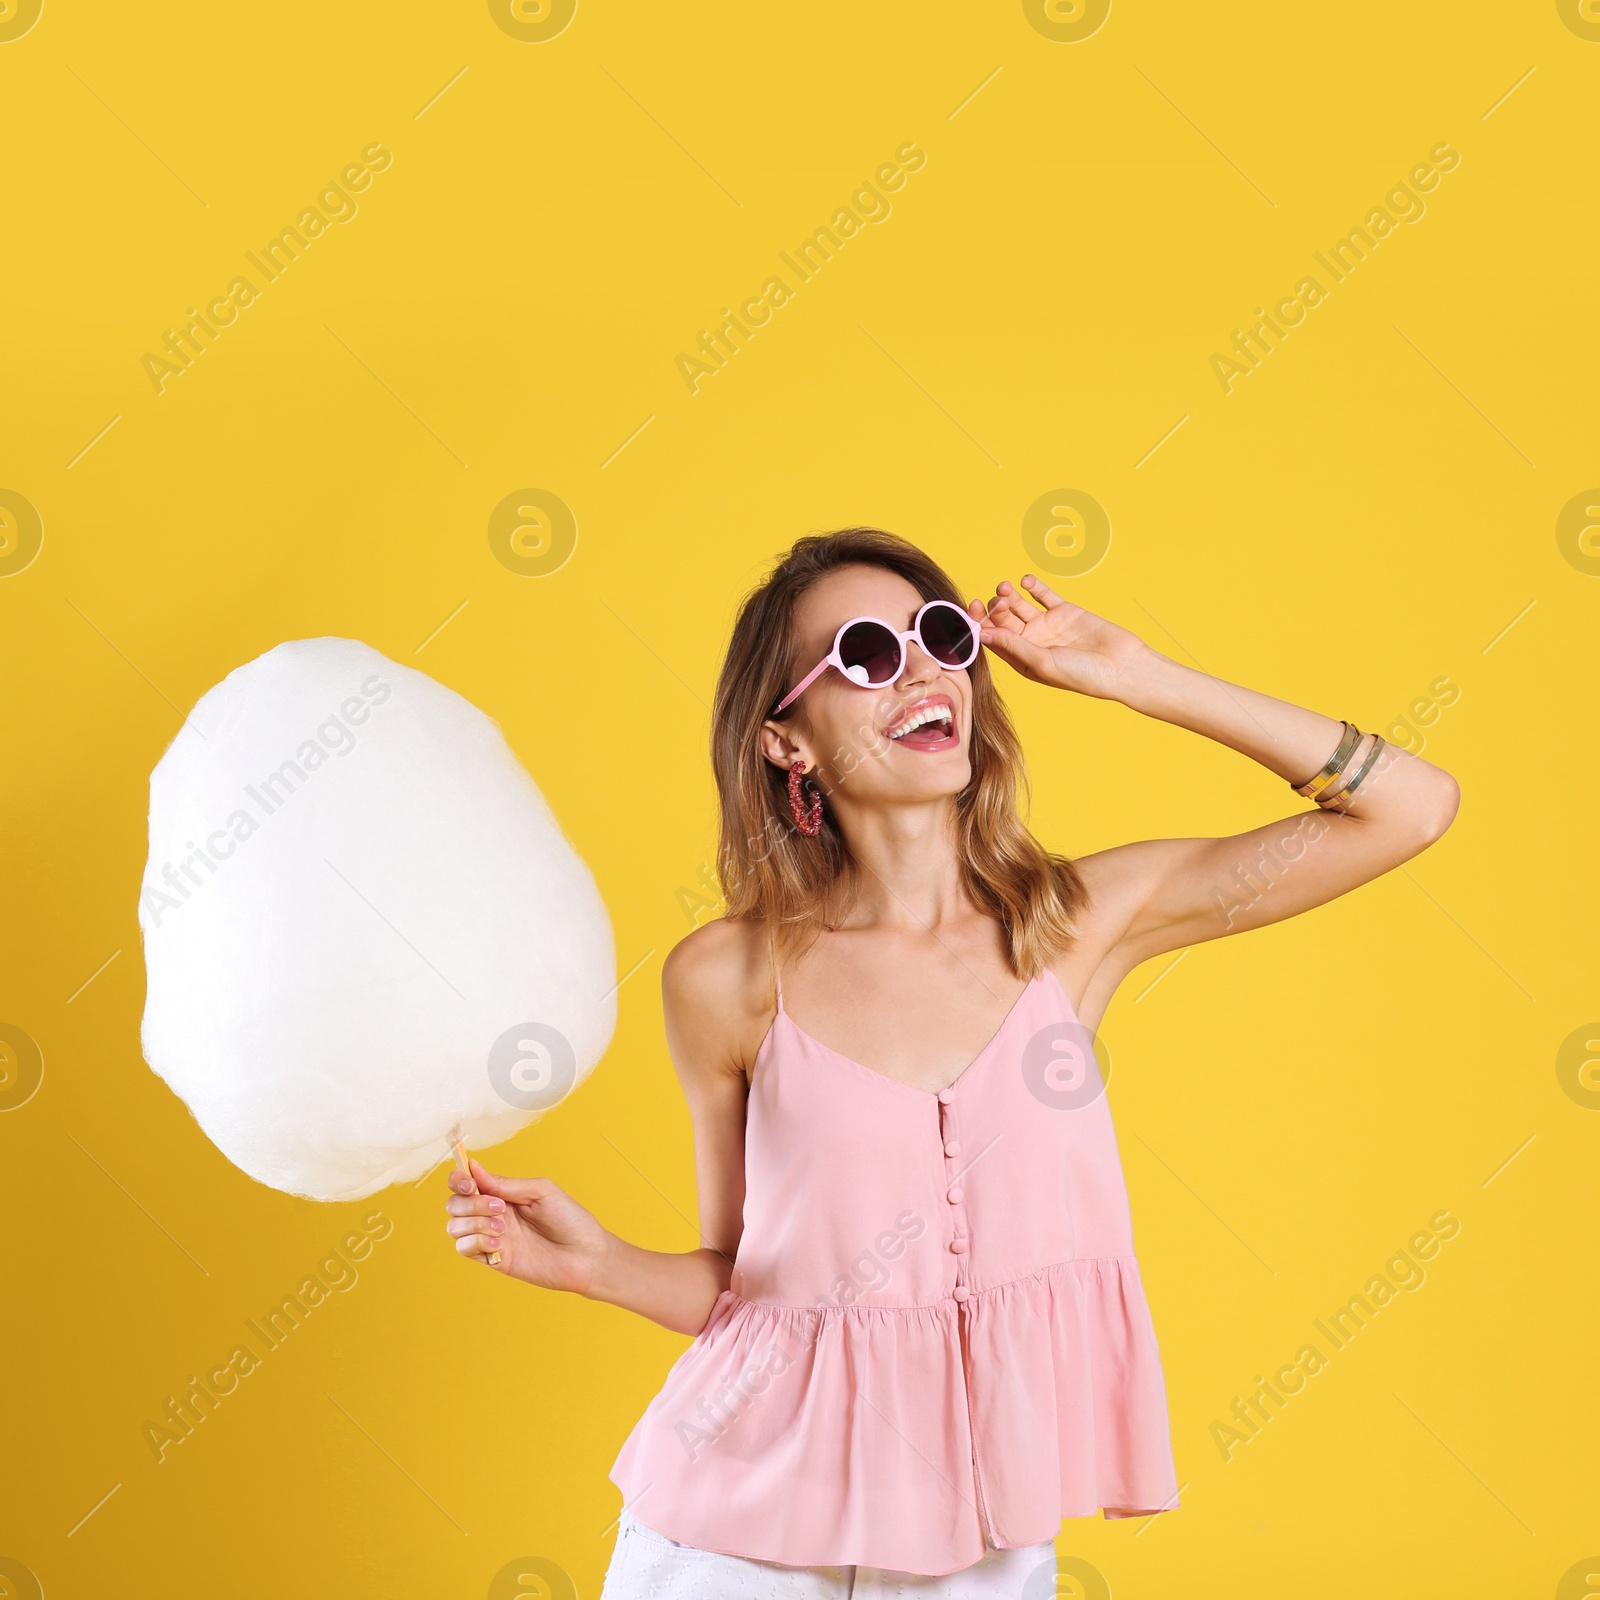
(935, 1337)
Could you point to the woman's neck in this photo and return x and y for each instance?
(904, 870)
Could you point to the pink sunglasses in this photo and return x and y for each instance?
(872, 655)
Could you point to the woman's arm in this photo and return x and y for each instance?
(546, 1238)
(1164, 894)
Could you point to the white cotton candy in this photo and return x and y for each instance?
(362, 925)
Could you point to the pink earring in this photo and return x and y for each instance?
(808, 819)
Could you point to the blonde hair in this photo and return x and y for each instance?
(774, 875)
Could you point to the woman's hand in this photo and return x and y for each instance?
(1061, 645)
(543, 1235)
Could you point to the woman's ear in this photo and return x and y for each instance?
(781, 746)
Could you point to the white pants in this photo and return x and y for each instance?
(648, 1566)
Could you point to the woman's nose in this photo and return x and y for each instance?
(920, 666)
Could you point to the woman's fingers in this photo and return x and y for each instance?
(1001, 615)
(460, 1227)
(1016, 602)
(1040, 590)
(1010, 603)
(1027, 657)
(514, 1191)
(477, 1219)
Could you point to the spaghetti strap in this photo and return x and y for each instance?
(777, 979)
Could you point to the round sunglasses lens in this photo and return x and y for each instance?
(871, 654)
(946, 634)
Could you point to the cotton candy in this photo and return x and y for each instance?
(362, 925)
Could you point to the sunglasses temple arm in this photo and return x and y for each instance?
(804, 684)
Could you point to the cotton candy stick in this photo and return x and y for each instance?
(493, 1258)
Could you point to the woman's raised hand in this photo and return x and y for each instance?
(1056, 642)
(542, 1234)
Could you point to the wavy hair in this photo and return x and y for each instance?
(776, 876)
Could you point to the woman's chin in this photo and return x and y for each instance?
(936, 777)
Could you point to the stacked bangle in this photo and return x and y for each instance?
(1330, 785)
(1332, 770)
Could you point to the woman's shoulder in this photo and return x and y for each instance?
(722, 969)
(717, 998)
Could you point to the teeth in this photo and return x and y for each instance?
(918, 719)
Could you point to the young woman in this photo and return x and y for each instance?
(921, 1338)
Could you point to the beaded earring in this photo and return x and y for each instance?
(807, 818)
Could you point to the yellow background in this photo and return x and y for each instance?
(1372, 509)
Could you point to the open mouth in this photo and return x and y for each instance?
(928, 725)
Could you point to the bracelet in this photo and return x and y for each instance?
(1313, 786)
(1366, 767)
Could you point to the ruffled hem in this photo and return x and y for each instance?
(897, 1437)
